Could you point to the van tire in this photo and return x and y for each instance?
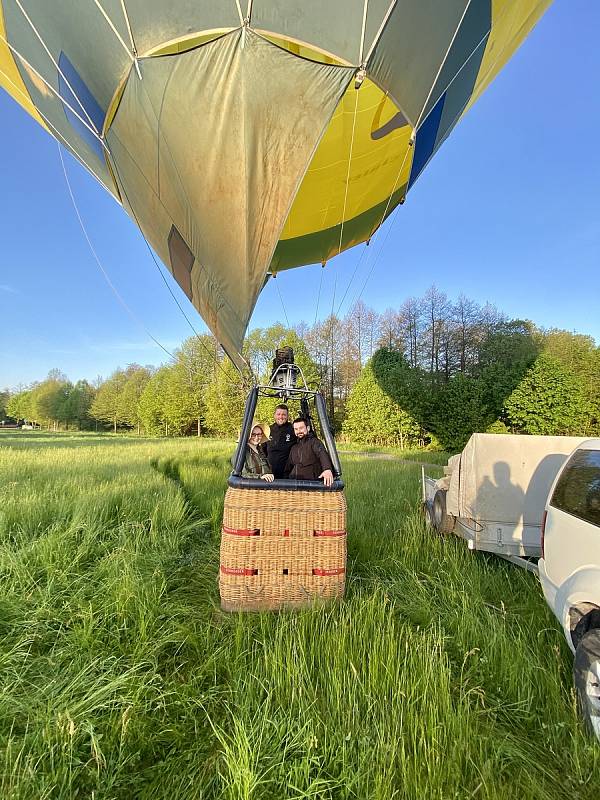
(441, 521)
(586, 676)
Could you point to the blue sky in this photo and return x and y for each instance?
(507, 212)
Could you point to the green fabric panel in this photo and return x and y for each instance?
(314, 248)
(376, 11)
(473, 31)
(459, 93)
(334, 26)
(206, 143)
(80, 31)
(154, 22)
(412, 49)
(46, 100)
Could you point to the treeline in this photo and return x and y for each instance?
(431, 372)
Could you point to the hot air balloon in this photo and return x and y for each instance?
(246, 137)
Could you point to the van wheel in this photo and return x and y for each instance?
(441, 521)
(586, 675)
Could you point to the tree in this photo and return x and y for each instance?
(373, 417)
(4, 398)
(194, 368)
(459, 412)
(80, 400)
(392, 331)
(548, 401)
(107, 406)
(225, 399)
(48, 401)
(151, 405)
(135, 380)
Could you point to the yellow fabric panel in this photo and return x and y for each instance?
(303, 50)
(379, 166)
(186, 43)
(10, 78)
(511, 23)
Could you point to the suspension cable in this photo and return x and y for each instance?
(319, 294)
(377, 228)
(131, 313)
(282, 303)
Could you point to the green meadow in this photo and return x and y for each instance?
(441, 675)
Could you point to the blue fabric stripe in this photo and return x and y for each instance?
(426, 139)
(84, 98)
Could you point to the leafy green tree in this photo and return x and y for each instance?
(136, 380)
(225, 399)
(459, 412)
(107, 406)
(548, 401)
(581, 358)
(19, 406)
(48, 402)
(152, 407)
(81, 396)
(505, 354)
(4, 398)
(373, 417)
(192, 372)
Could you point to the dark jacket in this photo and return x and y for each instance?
(308, 458)
(255, 464)
(278, 447)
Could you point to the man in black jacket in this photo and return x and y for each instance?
(308, 459)
(281, 439)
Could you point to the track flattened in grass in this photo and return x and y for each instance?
(442, 675)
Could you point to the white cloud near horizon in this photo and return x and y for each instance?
(6, 288)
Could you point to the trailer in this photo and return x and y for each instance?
(493, 494)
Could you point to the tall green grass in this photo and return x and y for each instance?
(442, 675)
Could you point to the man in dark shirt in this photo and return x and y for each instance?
(308, 459)
(281, 439)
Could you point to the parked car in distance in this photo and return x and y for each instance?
(569, 568)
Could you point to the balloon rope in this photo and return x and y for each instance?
(376, 231)
(239, 8)
(362, 33)
(114, 30)
(348, 171)
(29, 66)
(129, 31)
(55, 63)
(319, 294)
(57, 134)
(99, 263)
(282, 303)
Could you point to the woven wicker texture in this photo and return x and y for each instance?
(281, 549)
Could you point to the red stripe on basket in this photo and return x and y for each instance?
(238, 571)
(286, 532)
(329, 533)
(241, 531)
(323, 572)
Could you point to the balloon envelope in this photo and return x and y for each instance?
(246, 138)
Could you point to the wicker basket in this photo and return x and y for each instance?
(281, 549)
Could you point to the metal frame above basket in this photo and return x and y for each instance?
(282, 384)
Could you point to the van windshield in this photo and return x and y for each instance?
(578, 489)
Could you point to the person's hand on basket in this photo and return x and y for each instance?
(327, 476)
(269, 477)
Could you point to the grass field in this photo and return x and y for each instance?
(442, 675)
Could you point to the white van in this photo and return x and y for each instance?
(569, 569)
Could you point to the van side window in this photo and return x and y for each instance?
(578, 489)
